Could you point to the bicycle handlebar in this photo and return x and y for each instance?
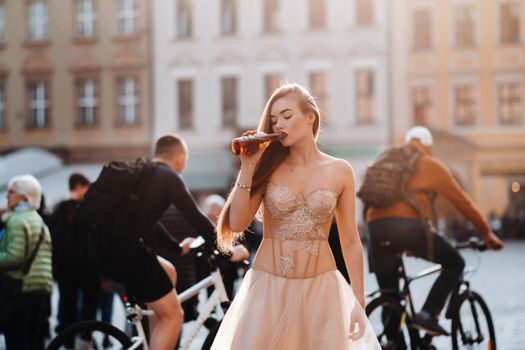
(473, 243)
(212, 256)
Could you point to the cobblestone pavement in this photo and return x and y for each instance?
(500, 280)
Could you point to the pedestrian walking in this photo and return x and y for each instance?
(25, 264)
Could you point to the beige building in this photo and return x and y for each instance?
(74, 77)
(461, 71)
(217, 62)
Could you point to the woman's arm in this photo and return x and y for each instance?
(348, 233)
(244, 206)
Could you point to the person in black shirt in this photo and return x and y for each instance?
(133, 262)
(178, 228)
(75, 275)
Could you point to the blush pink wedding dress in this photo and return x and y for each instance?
(294, 298)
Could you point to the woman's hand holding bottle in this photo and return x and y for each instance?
(250, 159)
(251, 145)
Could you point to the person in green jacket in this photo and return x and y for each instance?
(23, 229)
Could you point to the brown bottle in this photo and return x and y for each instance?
(246, 145)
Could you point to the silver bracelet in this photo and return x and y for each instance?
(244, 187)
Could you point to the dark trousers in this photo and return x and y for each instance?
(105, 303)
(78, 299)
(403, 234)
(25, 330)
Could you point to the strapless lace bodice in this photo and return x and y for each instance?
(295, 243)
(299, 218)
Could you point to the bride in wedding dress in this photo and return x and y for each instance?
(294, 298)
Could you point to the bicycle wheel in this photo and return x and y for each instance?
(472, 326)
(387, 317)
(90, 335)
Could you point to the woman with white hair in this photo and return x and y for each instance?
(25, 256)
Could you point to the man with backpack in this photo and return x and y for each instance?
(398, 189)
(120, 213)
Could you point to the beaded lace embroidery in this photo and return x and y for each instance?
(300, 219)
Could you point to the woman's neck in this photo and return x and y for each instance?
(303, 153)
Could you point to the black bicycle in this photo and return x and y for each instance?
(391, 314)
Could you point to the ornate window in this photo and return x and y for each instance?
(87, 105)
(317, 14)
(465, 25)
(464, 104)
(422, 29)
(509, 22)
(364, 10)
(184, 18)
(271, 14)
(318, 86)
(271, 82)
(510, 103)
(185, 102)
(229, 101)
(228, 17)
(127, 17)
(422, 105)
(37, 20)
(85, 18)
(128, 100)
(364, 80)
(2, 20)
(38, 103)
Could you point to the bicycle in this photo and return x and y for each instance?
(391, 314)
(96, 332)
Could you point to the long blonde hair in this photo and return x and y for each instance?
(271, 158)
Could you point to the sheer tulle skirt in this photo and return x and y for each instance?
(271, 312)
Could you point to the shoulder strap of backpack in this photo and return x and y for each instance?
(29, 262)
(414, 156)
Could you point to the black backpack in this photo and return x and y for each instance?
(110, 209)
(385, 181)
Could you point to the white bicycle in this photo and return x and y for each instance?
(98, 335)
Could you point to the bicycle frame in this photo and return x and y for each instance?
(214, 302)
(135, 313)
(405, 294)
(405, 297)
(405, 291)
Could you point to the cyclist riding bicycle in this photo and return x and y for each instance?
(130, 259)
(398, 228)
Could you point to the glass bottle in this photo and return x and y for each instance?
(249, 144)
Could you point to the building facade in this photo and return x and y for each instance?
(74, 77)
(461, 71)
(217, 62)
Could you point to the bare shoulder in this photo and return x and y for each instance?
(340, 174)
(338, 166)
